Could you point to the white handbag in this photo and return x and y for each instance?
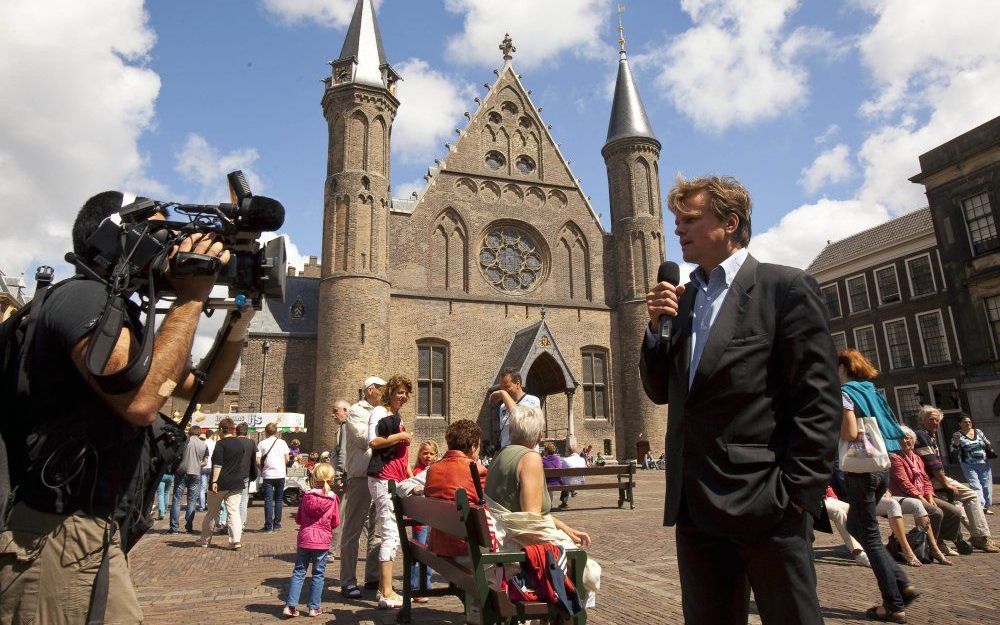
(867, 452)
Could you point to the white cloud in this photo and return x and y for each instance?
(831, 131)
(541, 31)
(332, 13)
(802, 233)
(201, 163)
(430, 108)
(407, 189)
(832, 166)
(737, 65)
(75, 101)
(932, 63)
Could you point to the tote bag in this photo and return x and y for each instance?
(866, 453)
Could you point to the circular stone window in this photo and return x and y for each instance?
(510, 259)
(524, 164)
(494, 159)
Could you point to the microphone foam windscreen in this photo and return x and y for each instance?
(263, 214)
(669, 272)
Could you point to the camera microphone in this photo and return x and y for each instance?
(261, 214)
(670, 273)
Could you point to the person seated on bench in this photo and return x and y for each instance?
(518, 499)
(450, 473)
(572, 460)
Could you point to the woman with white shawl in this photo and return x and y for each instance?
(518, 499)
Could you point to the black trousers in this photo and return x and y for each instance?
(717, 573)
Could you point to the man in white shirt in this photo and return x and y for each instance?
(272, 458)
(358, 514)
(572, 460)
(511, 393)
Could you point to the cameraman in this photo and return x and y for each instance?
(75, 449)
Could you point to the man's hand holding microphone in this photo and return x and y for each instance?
(662, 302)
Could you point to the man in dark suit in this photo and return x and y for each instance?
(750, 375)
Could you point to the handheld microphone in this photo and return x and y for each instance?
(670, 273)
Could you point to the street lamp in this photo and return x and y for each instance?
(264, 348)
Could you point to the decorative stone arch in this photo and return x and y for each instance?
(378, 147)
(644, 181)
(574, 258)
(448, 258)
(357, 141)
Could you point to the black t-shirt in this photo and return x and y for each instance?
(235, 455)
(71, 452)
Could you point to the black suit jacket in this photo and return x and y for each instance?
(758, 427)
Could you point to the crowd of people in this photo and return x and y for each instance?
(914, 483)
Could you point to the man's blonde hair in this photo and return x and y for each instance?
(726, 195)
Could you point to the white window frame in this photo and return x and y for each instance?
(888, 347)
(940, 265)
(878, 289)
(878, 365)
(868, 293)
(914, 389)
(840, 303)
(944, 333)
(965, 220)
(954, 335)
(909, 274)
(842, 333)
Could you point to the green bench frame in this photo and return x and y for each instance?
(469, 582)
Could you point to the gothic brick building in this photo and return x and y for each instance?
(500, 261)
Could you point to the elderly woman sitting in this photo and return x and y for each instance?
(909, 479)
(518, 499)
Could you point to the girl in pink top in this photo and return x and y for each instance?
(318, 514)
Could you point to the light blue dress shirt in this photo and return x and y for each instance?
(708, 302)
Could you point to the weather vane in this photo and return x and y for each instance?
(621, 29)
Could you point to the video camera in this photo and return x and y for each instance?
(132, 256)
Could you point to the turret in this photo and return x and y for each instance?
(359, 105)
(631, 154)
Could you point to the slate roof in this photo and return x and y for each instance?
(628, 117)
(364, 42)
(894, 231)
(276, 317)
(525, 348)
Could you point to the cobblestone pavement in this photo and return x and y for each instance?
(179, 582)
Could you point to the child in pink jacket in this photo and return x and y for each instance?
(318, 514)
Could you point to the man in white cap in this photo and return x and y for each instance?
(358, 513)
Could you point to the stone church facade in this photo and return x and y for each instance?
(499, 261)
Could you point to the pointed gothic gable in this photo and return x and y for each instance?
(507, 154)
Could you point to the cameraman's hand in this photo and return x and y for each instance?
(197, 288)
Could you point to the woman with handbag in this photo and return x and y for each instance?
(909, 479)
(865, 462)
(974, 451)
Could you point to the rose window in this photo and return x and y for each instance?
(510, 259)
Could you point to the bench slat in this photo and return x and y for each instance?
(602, 485)
(585, 472)
(437, 513)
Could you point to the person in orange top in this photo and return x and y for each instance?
(450, 473)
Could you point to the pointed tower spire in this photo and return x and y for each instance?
(362, 59)
(628, 117)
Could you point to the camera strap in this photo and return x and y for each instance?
(105, 337)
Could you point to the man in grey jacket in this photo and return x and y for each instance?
(188, 477)
(358, 512)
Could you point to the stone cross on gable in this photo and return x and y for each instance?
(507, 47)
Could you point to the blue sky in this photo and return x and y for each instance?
(820, 108)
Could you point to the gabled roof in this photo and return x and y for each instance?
(364, 42)
(296, 315)
(505, 77)
(909, 226)
(527, 346)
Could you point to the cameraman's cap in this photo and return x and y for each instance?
(373, 380)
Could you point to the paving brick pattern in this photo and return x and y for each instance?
(179, 582)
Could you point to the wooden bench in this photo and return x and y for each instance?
(625, 482)
(469, 580)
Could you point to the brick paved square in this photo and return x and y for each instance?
(179, 582)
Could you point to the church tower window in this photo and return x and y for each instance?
(510, 259)
(494, 159)
(525, 164)
(595, 375)
(432, 380)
